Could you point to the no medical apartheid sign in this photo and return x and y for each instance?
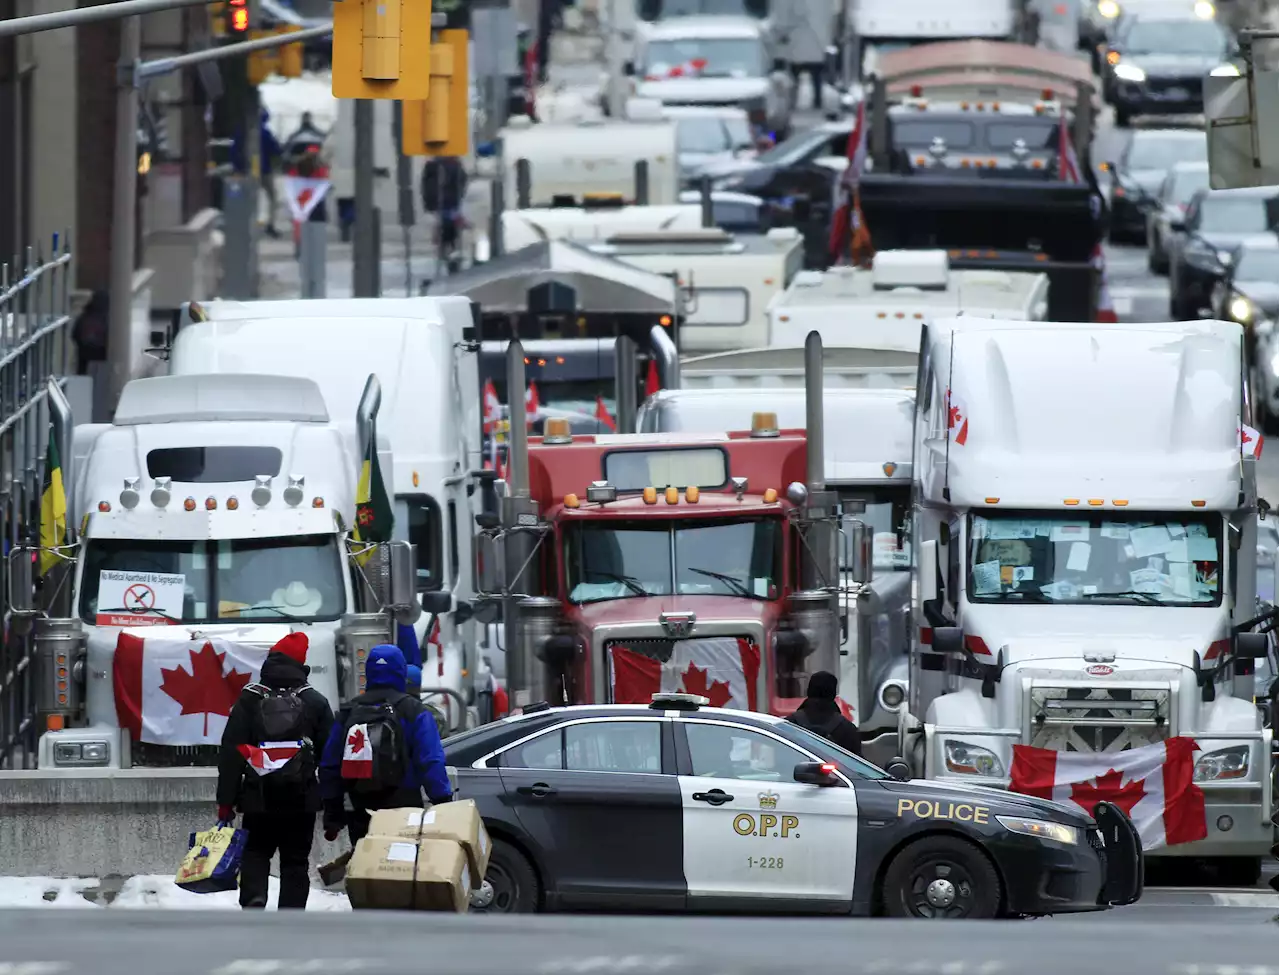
(304, 194)
(139, 598)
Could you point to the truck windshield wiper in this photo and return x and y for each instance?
(1143, 597)
(276, 609)
(133, 610)
(629, 581)
(736, 584)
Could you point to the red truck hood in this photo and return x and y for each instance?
(647, 609)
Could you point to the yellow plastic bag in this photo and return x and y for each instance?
(213, 861)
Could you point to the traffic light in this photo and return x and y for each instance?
(441, 125)
(289, 63)
(380, 49)
(237, 14)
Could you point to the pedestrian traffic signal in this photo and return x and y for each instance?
(441, 125)
(237, 13)
(380, 49)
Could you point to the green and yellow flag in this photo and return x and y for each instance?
(53, 508)
(374, 517)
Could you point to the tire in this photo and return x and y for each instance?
(1238, 871)
(961, 872)
(1156, 264)
(516, 889)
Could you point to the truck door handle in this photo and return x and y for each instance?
(538, 790)
(717, 797)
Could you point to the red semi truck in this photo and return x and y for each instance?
(632, 564)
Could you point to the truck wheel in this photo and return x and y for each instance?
(1238, 871)
(941, 877)
(515, 883)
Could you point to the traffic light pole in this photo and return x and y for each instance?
(365, 259)
(124, 202)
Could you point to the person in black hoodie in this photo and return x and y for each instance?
(822, 715)
(267, 769)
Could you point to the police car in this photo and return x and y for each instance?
(679, 806)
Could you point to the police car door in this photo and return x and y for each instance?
(751, 832)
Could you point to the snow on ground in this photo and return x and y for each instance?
(141, 892)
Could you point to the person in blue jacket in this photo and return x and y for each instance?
(385, 675)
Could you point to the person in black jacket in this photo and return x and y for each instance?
(271, 782)
(822, 715)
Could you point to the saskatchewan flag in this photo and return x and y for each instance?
(53, 508)
(374, 517)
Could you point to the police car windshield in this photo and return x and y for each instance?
(1160, 150)
(824, 749)
(142, 581)
(1257, 264)
(1143, 559)
(705, 57)
(621, 560)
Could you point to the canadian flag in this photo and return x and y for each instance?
(1153, 784)
(1250, 441)
(270, 755)
(357, 753)
(492, 407)
(652, 383)
(179, 691)
(531, 402)
(723, 669)
(603, 415)
(304, 195)
(957, 419)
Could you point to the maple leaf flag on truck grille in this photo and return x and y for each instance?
(179, 691)
(722, 669)
(1152, 784)
(270, 756)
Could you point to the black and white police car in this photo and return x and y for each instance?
(679, 806)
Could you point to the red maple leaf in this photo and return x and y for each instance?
(695, 682)
(953, 416)
(1107, 788)
(206, 690)
(356, 740)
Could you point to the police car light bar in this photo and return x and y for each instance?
(679, 702)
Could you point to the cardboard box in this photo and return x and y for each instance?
(390, 874)
(458, 821)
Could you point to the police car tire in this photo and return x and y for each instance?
(515, 882)
(916, 859)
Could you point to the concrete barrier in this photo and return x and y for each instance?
(87, 823)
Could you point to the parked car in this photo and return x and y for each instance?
(1137, 175)
(1159, 66)
(1249, 293)
(1181, 183)
(1104, 18)
(1216, 223)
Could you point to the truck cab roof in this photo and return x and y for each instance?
(679, 28)
(244, 396)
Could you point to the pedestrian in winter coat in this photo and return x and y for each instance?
(822, 715)
(279, 803)
(424, 766)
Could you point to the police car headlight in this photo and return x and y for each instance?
(1225, 763)
(972, 759)
(1045, 830)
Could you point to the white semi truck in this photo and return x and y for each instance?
(1084, 539)
(424, 353)
(212, 508)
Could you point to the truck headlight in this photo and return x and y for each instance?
(1241, 309)
(1042, 828)
(1109, 9)
(1225, 763)
(81, 754)
(972, 759)
(1130, 72)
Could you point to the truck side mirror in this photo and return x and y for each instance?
(948, 639)
(1252, 646)
(629, 68)
(437, 602)
(489, 562)
(402, 595)
(22, 592)
(927, 574)
(859, 558)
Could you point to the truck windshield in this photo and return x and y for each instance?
(619, 560)
(140, 582)
(1147, 559)
(706, 57)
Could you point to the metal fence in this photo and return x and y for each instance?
(35, 345)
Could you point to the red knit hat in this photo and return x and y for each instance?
(293, 646)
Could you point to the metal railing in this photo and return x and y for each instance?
(35, 346)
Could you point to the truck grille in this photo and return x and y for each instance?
(662, 649)
(1098, 719)
(145, 755)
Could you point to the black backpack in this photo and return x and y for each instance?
(824, 728)
(282, 717)
(381, 722)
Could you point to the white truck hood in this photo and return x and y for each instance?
(1141, 635)
(698, 91)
